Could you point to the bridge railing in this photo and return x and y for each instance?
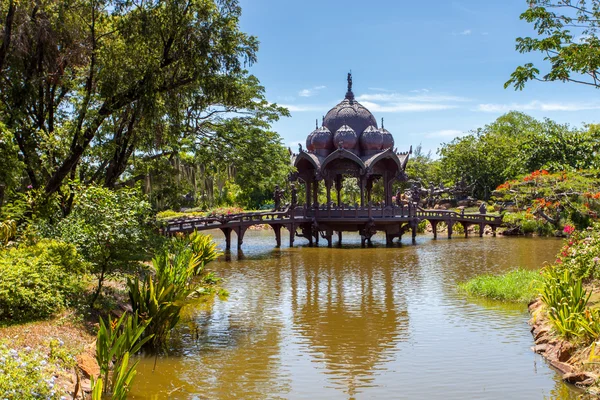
(324, 212)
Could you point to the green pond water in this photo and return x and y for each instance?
(352, 323)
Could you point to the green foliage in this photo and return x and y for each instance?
(567, 37)
(581, 254)
(39, 280)
(26, 374)
(8, 229)
(117, 339)
(110, 228)
(518, 285)
(422, 167)
(548, 200)
(566, 299)
(158, 299)
(164, 81)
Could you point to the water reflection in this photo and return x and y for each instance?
(352, 315)
(357, 323)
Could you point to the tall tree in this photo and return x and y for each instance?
(87, 84)
(567, 31)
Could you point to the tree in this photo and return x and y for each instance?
(110, 228)
(86, 84)
(568, 39)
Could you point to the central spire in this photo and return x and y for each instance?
(349, 94)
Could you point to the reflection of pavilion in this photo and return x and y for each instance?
(349, 144)
(349, 316)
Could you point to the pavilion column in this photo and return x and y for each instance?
(361, 183)
(328, 184)
(369, 189)
(338, 189)
(316, 193)
(307, 183)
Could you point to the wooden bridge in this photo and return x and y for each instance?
(312, 223)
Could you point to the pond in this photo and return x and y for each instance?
(352, 323)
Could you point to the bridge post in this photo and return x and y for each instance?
(339, 234)
(227, 233)
(389, 239)
(240, 231)
(414, 231)
(277, 229)
(292, 230)
(434, 228)
(328, 237)
(450, 223)
(494, 230)
(481, 229)
(466, 228)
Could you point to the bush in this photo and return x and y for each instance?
(26, 374)
(111, 229)
(518, 286)
(581, 254)
(38, 280)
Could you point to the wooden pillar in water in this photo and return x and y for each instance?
(434, 228)
(292, 229)
(481, 229)
(329, 237)
(227, 233)
(339, 234)
(466, 228)
(414, 231)
(277, 229)
(494, 230)
(450, 229)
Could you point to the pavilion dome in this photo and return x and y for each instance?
(371, 139)
(322, 141)
(388, 139)
(309, 145)
(346, 138)
(349, 112)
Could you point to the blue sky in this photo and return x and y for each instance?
(434, 70)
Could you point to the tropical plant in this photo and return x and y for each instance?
(116, 340)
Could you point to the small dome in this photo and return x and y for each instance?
(388, 139)
(371, 139)
(309, 145)
(345, 137)
(322, 141)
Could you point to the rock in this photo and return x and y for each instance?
(561, 367)
(543, 339)
(88, 365)
(565, 351)
(539, 348)
(580, 378)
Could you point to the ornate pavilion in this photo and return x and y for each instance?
(349, 144)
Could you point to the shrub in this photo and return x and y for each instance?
(116, 340)
(566, 299)
(518, 285)
(26, 374)
(38, 280)
(110, 228)
(158, 299)
(581, 254)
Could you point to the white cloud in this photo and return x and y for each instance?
(537, 106)
(310, 92)
(465, 32)
(420, 91)
(406, 107)
(423, 97)
(304, 107)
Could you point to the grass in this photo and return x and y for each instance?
(518, 285)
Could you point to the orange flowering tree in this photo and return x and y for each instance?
(555, 197)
